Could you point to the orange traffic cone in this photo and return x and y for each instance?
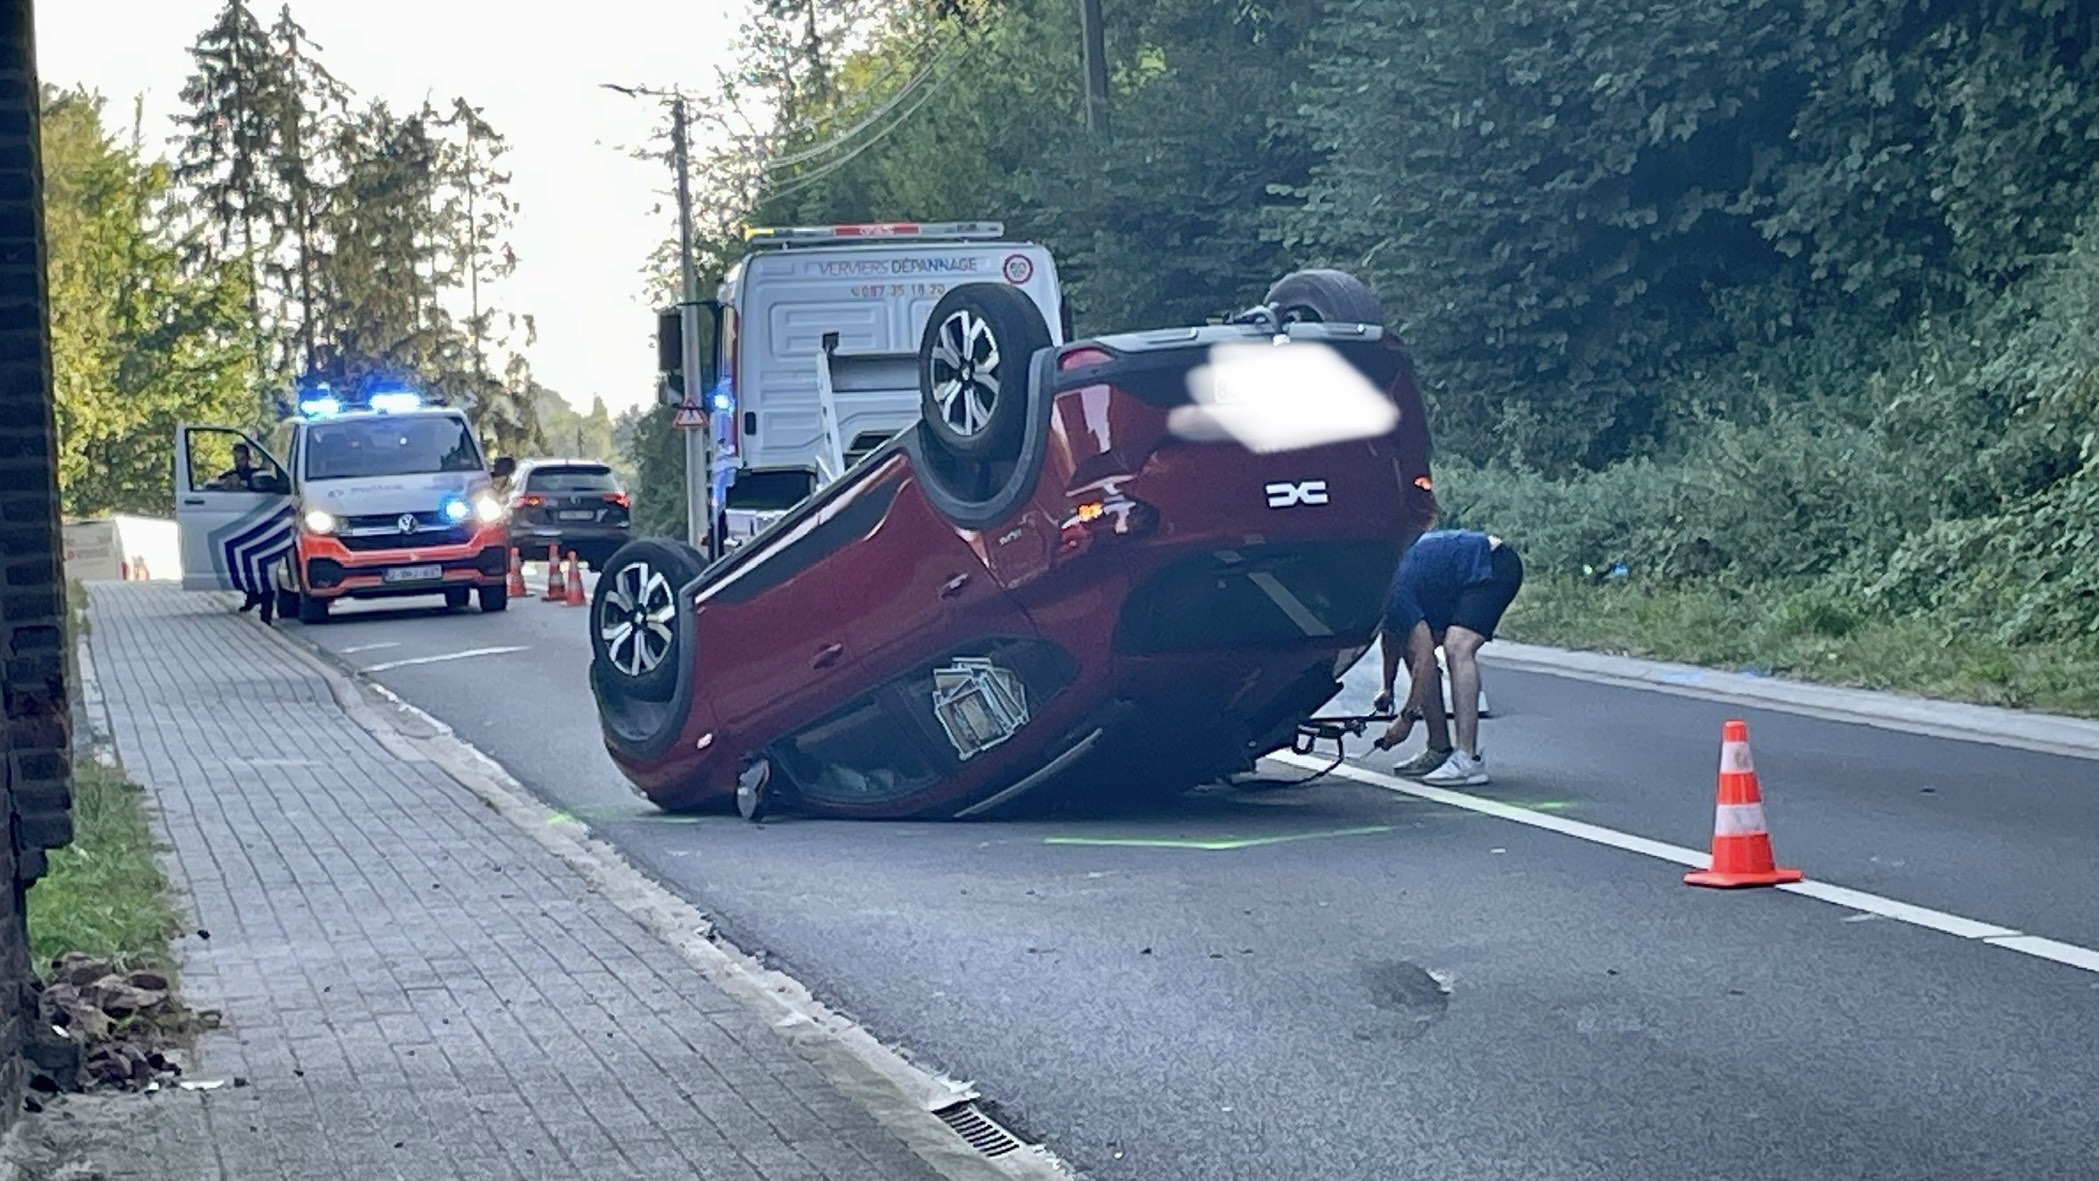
(555, 592)
(1741, 847)
(516, 587)
(575, 582)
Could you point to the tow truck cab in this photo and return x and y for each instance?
(817, 330)
(383, 495)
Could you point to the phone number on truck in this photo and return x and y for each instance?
(898, 290)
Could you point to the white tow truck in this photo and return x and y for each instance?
(816, 335)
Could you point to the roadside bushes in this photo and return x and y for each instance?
(1958, 479)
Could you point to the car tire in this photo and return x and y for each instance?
(456, 597)
(632, 616)
(979, 324)
(287, 603)
(1326, 297)
(493, 598)
(313, 610)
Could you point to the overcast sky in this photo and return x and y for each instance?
(584, 227)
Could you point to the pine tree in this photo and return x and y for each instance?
(473, 214)
(375, 279)
(231, 137)
(309, 114)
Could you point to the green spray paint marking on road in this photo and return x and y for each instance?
(1211, 845)
(606, 814)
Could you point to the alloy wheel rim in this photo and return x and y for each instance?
(634, 619)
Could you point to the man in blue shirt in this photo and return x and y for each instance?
(1451, 590)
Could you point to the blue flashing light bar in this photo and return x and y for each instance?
(396, 401)
(322, 406)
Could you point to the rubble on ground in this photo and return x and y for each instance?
(102, 1028)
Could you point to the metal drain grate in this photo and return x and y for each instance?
(974, 1126)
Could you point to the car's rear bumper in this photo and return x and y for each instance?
(330, 570)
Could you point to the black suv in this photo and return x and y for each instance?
(576, 504)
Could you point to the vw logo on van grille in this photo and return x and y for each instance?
(407, 522)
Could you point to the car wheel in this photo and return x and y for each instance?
(287, 603)
(455, 597)
(973, 369)
(493, 598)
(633, 613)
(312, 610)
(1326, 297)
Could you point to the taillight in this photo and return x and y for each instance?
(531, 501)
(1103, 517)
(618, 498)
(1424, 501)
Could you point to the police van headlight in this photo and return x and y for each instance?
(487, 509)
(319, 522)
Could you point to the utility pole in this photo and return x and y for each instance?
(699, 443)
(1096, 55)
(699, 449)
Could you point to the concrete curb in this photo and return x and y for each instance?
(2046, 733)
(899, 1094)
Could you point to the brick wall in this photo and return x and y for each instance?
(36, 790)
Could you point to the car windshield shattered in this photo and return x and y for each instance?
(390, 447)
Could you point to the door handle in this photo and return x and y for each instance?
(827, 656)
(953, 586)
(197, 501)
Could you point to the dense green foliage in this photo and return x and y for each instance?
(139, 343)
(1794, 294)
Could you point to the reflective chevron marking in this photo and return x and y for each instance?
(244, 550)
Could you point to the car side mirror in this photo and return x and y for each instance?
(504, 468)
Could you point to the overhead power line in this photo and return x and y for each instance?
(821, 171)
(875, 116)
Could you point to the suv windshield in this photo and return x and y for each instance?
(571, 479)
(390, 447)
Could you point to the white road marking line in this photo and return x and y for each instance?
(1858, 900)
(354, 649)
(2049, 949)
(392, 664)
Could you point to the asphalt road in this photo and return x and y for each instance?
(1340, 981)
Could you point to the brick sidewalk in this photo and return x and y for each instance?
(411, 985)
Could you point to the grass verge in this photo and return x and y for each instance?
(104, 894)
(1806, 634)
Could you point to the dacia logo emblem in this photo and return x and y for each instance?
(407, 522)
(1289, 495)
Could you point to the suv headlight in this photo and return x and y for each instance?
(319, 522)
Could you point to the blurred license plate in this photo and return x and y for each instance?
(413, 574)
(578, 514)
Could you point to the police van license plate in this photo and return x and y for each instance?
(413, 573)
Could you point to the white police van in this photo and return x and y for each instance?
(378, 494)
(817, 314)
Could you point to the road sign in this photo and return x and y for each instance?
(689, 418)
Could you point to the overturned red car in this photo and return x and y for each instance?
(1130, 564)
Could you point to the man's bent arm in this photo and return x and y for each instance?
(1388, 646)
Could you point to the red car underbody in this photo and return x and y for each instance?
(1165, 611)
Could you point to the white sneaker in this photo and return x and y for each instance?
(1462, 769)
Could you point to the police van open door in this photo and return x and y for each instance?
(233, 528)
